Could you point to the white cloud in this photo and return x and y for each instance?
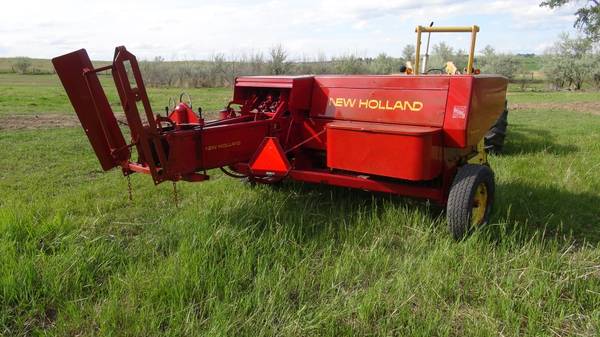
(183, 29)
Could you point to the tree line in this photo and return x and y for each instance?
(569, 64)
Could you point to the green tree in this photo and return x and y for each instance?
(595, 73)
(408, 53)
(588, 16)
(21, 65)
(506, 65)
(570, 62)
(278, 63)
(488, 52)
(383, 64)
(349, 64)
(443, 52)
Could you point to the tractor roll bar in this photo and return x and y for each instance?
(468, 29)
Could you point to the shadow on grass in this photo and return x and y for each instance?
(525, 140)
(536, 210)
(313, 209)
(531, 212)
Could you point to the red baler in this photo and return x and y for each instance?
(415, 136)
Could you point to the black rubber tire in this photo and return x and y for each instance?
(494, 138)
(460, 200)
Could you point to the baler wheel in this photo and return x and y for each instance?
(470, 200)
(494, 138)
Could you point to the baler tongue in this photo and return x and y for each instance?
(92, 108)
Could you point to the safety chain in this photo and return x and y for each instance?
(175, 196)
(129, 188)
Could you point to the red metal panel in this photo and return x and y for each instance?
(457, 111)
(422, 82)
(487, 103)
(299, 97)
(227, 144)
(411, 153)
(474, 103)
(183, 155)
(216, 146)
(267, 81)
(435, 194)
(402, 106)
(394, 129)
(313, 128)
(92, 108)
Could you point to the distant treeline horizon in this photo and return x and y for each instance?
(570, 63)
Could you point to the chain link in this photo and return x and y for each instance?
(175, 196)
(129, 188)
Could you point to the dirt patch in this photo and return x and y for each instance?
(581, 107)
(42, 121)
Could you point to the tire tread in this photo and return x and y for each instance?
(458, 210)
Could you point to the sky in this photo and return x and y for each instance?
(198, 29)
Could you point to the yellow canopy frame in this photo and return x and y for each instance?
(472, 29)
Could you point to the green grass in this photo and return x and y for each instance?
(77, 258)
(43, 65)
(34, 94)
(553, 97)
(531, 63)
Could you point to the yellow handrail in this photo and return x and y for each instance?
(467, 29)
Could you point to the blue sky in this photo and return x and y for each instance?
(185, 29)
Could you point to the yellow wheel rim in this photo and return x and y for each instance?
(480, 202)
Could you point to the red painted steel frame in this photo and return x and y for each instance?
(92, 108)
(404, 135)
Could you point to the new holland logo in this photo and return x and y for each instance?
(375, 104)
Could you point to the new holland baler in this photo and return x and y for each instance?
(418, 136)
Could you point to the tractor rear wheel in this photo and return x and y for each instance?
(470, 200)
(494, 138)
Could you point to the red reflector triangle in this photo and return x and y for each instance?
(269, 159)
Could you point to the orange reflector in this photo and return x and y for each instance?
(269, 159)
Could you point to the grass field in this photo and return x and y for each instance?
(78, 259)
(35, 94)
